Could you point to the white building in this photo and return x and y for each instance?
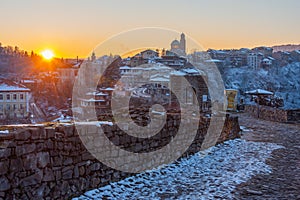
(14, 100)
(254, 60)
(131, 76)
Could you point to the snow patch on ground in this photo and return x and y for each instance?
(209, 174)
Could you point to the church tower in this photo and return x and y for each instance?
(93, 57)
(182, 43)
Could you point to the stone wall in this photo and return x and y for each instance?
(50, 161)
(267, 113)
(293, 115)
(274, 114)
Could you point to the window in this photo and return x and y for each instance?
(21, 106)
(15, 107)
(1, 108)
(14, 96)
(7, 107)
(1, 96)
(8, 97)
(21, 96)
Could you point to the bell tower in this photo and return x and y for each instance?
(182, 43)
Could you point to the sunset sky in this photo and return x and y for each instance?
(76, 27)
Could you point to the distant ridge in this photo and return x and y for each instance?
(288, 47)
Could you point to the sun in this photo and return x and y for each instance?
(47, 54)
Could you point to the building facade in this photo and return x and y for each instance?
(254, 60)
(14, 100)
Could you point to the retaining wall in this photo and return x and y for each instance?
(274, 114)
(50, 161)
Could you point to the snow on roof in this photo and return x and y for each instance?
(178, 73)
(100, 94)
(63, 119)
(160, 79)
(10, 86)
(96, 123)
(93, 100)
(259, 91)
(96, 94)
(271, 58)
(125, 67)
(230, 89)
(107, 89)
(105, 123)
(191, 71)
(160, 75)
(214, 60)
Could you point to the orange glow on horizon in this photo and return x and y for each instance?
(47, 54)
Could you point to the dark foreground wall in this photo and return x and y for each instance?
(50, 161)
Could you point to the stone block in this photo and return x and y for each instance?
(68, 161)
(6, 143)
(95, 182)
(67, 174)
(23, 135)
(76, 172)
(69, 131)
(57, 175)
(49, 144)
(42, 192)
(48, 175)
(37, 133)
(33, 179)
(50, 132)
(57, 161)
(87, 156)
(4, 184)
(65, 188)
(95, 166)
(43, 159)
(3, 167)
(68, 146)
(5, 153)
(25, 149)
(40, 146)
(16, 165)
(30, 162)
(81, 170)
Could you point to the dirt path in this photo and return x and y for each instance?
(284, 181)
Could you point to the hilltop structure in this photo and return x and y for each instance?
(179, 47)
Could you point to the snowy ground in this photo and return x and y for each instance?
(210, 174)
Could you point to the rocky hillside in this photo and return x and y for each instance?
(288, 47)
(283, 81)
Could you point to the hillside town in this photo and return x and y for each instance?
(149, 100)
(34, 91)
